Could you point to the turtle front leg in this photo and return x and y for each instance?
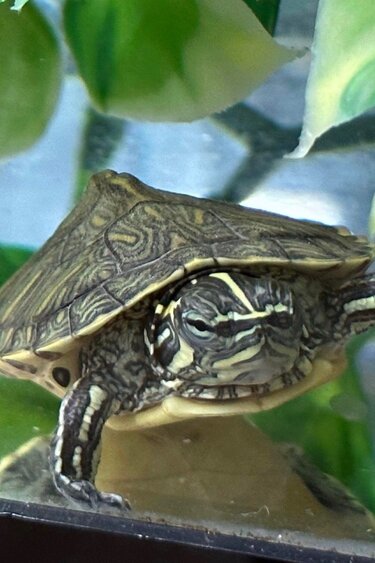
(75, 447)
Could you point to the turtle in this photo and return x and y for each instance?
(147, 307)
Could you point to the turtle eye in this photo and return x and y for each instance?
(199, 327)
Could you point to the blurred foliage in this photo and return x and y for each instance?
(338, 442)
(156, 61)
(168, 61)
(147, 60)
(26, 410)
(30, 77)
(11, 258)
(341, 82)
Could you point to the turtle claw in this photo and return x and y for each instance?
(84, 492)
(111, 499)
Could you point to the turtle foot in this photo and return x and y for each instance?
(85, 493)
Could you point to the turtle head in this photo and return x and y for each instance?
(228, 328)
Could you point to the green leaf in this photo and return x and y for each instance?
(29, 77)
(341, 83)
(11, 258)
(266, 11)
(167, 60)
(26, 411)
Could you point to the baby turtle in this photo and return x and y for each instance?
(147, 307)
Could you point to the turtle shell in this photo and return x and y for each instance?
(125, 241)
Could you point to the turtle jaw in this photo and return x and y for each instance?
(271, 359)
(262, 368)
(253, 383)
